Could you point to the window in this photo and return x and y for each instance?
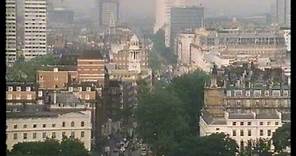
(82, 124)
(268, 123)
(249, 132)
(25, 126)
(39, 93)
(269, 132)
(241, 132)
(73, 134)
(29, 97)
(70, 89)
(261, 132)
(233, 133)
(249, 123)
(15, 126)
(34, 126)
(80, 89)
(63, 124)
(233, 123)
(53, 125)
(241, 123)
(217, 129)
(25, 136)
(72, 124)
(15, 136)
(82, 134)
(267, 93)
(261, 123)
(257, 93)
(86, 96)
(53, 135)
(276, 123)
(44, 125)
(63, 134)
(285, 93)
(9, 97)
(44, 135)
(34, 135)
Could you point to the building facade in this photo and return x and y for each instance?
(51, 80)
(39, 126)
(35, 27)
(10, 24)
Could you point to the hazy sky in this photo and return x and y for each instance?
(139, 8)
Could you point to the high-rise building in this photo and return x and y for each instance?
(35, 20)
(109, 12)
(10, 31)
(163, 9)
(183, 18)
(282, 12)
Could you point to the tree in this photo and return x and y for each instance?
(161, 120)
(49, 147)
(215, 144)
(189, 89)
(73, 147)
(262, 147)
(281, 138)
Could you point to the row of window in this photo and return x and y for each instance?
(250, 123)
(18, 89)
(18, 97)
(82, 124)
(249, 132)
(45, 135)
(257, 93)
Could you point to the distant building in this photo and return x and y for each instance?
(244, 128)
(52, 80)
(18, 93)
(33, 127)
(10, 34)
(35, 27)
(245, 110)
(109, 12)
(132, 57)
(91, 68)
(59, 17)
(281, 11)
(183, 18)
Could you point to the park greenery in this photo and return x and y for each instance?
(168, 121)
(160, 54)
(49, 147)
(25, 71)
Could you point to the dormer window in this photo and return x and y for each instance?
(70, 89)
(248, 93)
(40, 93)
(257, 93)
(88, 89)
(80, 89)
(276, 93)
(285, 93)
(267, 93)
(10, 88)
(238, 93)
(228, 92)
(28, 89)
(18, 89)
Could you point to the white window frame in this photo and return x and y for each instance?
(28, 89)
(10, 89)
(18, 89)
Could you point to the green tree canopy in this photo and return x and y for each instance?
(50, 147)
(281, 138)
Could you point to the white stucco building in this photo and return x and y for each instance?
(10, 23)
(32, 127)
(35, 26)
(244, 128)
